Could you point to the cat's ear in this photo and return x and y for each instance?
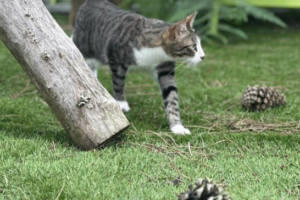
(172, 32)
(180, 28)
(177, 30)
(190, 20)
(185, 24)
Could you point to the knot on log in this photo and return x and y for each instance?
(46, 56)
(84, 100)
(35, 40)
(29, 15)
(33, 37)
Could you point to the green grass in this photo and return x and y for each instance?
(39, 161)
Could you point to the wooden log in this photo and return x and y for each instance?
(84, 108)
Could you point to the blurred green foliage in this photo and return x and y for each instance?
(151, 8)
(215, 17)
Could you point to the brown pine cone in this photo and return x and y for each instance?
(204, 190)
(260, 98)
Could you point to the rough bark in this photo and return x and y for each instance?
(84, 108)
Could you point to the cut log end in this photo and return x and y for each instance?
(90, 143)
(109, 140)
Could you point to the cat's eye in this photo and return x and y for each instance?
(182, 48)
(194, 47)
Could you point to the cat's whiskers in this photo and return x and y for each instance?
(187, 63)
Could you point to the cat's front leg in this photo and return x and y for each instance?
(165, 76)
(118, 77)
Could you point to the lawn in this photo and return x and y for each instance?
(252, 155)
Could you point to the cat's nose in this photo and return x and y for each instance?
(202, 57)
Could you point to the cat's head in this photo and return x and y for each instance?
(181, 42)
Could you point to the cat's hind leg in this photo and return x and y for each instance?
(118, 77)
(165, 76)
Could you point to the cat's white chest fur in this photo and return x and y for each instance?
(150, 57)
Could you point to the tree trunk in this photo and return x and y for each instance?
(84, 108)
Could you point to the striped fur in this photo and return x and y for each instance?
(122, 39)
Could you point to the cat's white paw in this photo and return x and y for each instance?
(124, 105)
(180, 130)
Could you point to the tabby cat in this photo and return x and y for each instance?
(122, 39)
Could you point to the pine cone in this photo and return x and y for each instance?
(260, 98)
(204, 190)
